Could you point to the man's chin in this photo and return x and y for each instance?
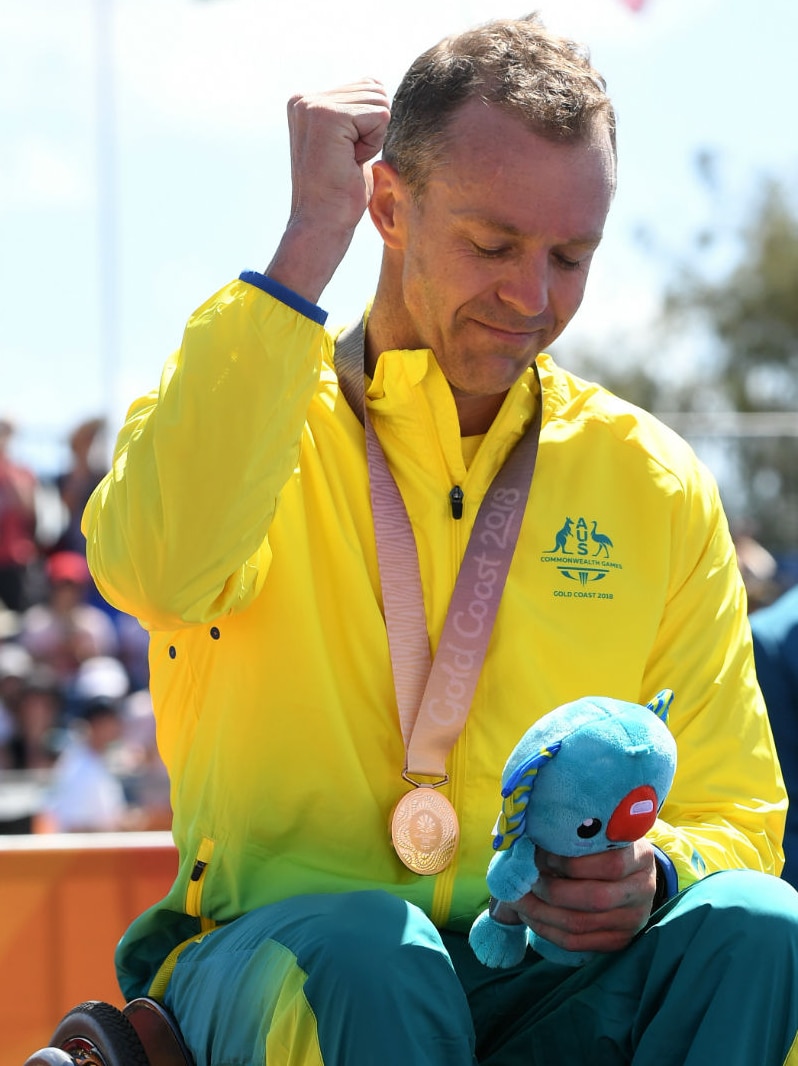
(502, 371)
(490, 385)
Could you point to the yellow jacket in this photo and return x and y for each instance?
(235, 524)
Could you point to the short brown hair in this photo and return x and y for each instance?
(516, 64)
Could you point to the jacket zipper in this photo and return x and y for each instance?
(196, 880)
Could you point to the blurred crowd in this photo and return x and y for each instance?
(74, 702)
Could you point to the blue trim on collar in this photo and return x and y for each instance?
(284, 295)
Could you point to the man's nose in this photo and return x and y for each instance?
(526, 287)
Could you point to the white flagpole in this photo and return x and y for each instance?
(107, 214)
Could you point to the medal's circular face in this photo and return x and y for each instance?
(424, 831)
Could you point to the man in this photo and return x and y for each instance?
(65, 629)
(85, 796)
(334, 824)
(775, 632)
(18, 548)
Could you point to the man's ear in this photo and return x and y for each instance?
(388, 204)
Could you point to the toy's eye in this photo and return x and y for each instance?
(589, 828)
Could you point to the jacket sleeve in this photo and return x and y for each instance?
(177, 532)
(727, 806)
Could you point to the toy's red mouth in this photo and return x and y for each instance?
(634, 815)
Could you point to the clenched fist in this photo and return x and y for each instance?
(334, 136)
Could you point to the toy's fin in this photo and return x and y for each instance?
(661, 704)
(516, 796)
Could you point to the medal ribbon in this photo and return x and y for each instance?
(434, 697)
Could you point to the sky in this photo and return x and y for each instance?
(144, 163)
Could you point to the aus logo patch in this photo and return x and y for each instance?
(583, 554)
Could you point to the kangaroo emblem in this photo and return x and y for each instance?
(561, 538)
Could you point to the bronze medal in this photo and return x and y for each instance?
(424, 831)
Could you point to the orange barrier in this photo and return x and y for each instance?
(64, 902)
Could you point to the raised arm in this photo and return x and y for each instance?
(334, 136)
(178, 531)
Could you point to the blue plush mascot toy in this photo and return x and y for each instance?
(588, 776)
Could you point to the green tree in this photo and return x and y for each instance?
(738, 401)
(753, 311)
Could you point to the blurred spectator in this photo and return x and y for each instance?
(18, 550)
(133, 652)
(775, 633)
(76, 484)
(759, 570)
(139, 764)
(39, 712)
(66, 630)
(85, 796)
(10, 624)
(15, 669)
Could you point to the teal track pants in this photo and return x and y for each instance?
(364, 979)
